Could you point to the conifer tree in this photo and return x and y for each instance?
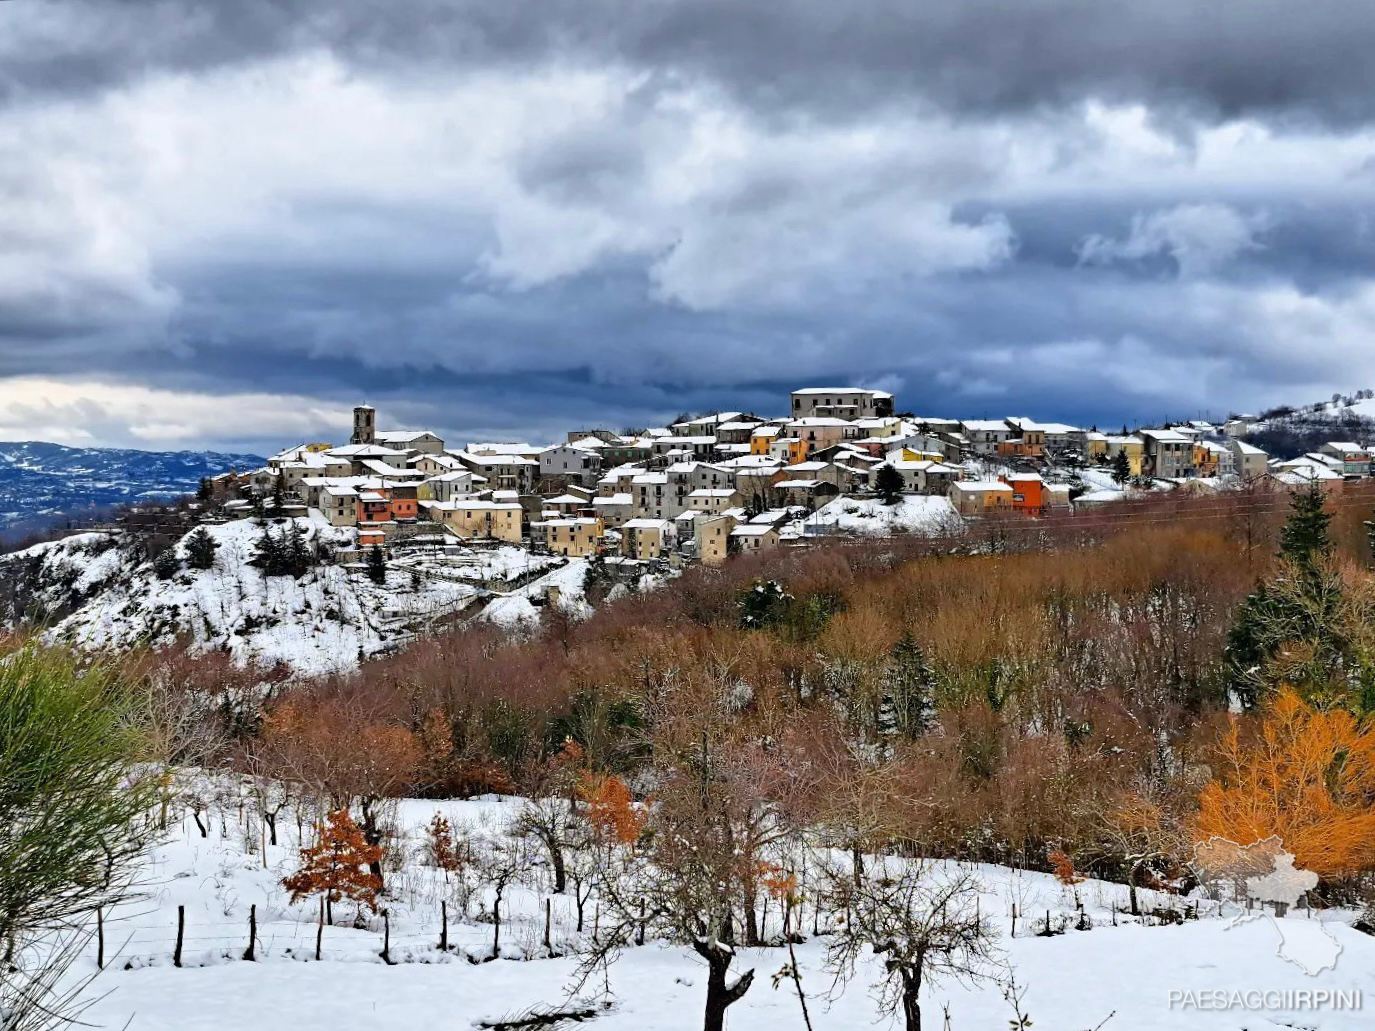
(908, 706)
(201, 548)
(889, 484)
(377, 565)
(1304, 537)
(267, 553)
(1121, 467)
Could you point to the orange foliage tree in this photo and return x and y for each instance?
(1308, 776)
(336, 866)
(610, 809)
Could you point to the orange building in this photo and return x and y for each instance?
(1028, 492)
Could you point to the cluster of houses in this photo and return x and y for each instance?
(728, 482)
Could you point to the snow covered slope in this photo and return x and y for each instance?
(88, 590)
(41, 482)
(1120, 966)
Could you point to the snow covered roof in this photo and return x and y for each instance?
(712, 492)
(842, 390)
(753, 530)
(609, 500)
(647, 524)
(980, 486)
(365, 451)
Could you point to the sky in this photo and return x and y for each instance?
(223, 223)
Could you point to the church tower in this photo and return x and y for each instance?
(364, 425)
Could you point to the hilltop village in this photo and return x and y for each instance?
(711, 486)
(841, 461)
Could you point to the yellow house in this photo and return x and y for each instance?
(913, 455)
(762, 439)
(1135, 448)
(1095, 444)
(498, 520)
(1205, 459)
(980, 497)
(713, 539)
(575, 538)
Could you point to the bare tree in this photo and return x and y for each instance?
(921, 919)
(685, 885)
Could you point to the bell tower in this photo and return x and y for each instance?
(364, 425)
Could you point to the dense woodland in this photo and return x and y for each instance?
(1045, 692)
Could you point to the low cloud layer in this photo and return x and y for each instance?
(507, 224)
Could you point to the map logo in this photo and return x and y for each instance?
(1263, 877)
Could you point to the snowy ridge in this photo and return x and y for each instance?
(88, 590)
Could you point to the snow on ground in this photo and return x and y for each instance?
(1073, 981)
(914, 513)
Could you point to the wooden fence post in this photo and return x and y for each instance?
(320, 929)
(443, 926)
(181, 933)
(249, 954)
(548, 919)
(100, 939)
(386, 938)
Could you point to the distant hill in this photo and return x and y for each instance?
(44, 484)
(1287, 432)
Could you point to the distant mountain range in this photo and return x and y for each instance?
(43, 484)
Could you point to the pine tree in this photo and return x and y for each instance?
(1304, 537)
(889, 484)
(267, 553)
(295, 554)
(1121, 467)
(908, 707)
(763, 604)
(206, 490)
(336, 866)
(278, 501)
(166, 566)
(201, 548)
(377, 565)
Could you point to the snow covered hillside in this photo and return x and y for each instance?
(1117, 972)
(91, 591)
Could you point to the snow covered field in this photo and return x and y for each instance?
(1072, 981)
(914, 513)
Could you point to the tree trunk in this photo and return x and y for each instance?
(720, 995)
(271, 820)
(911, 1008)
(560, 867)
(751, 917)
(372, 834)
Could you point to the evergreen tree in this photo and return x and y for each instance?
(889, 484)
(596, 580)
(295, 553)
(1121, 467)
(205, 491)
(377, 565)
(278, 502)
(166, 565)
(267, 553)
(201, 548)
(1304, 537)
(908, 707)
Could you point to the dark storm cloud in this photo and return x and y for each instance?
(1219, 59)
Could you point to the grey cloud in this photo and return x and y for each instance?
(1267, 58)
